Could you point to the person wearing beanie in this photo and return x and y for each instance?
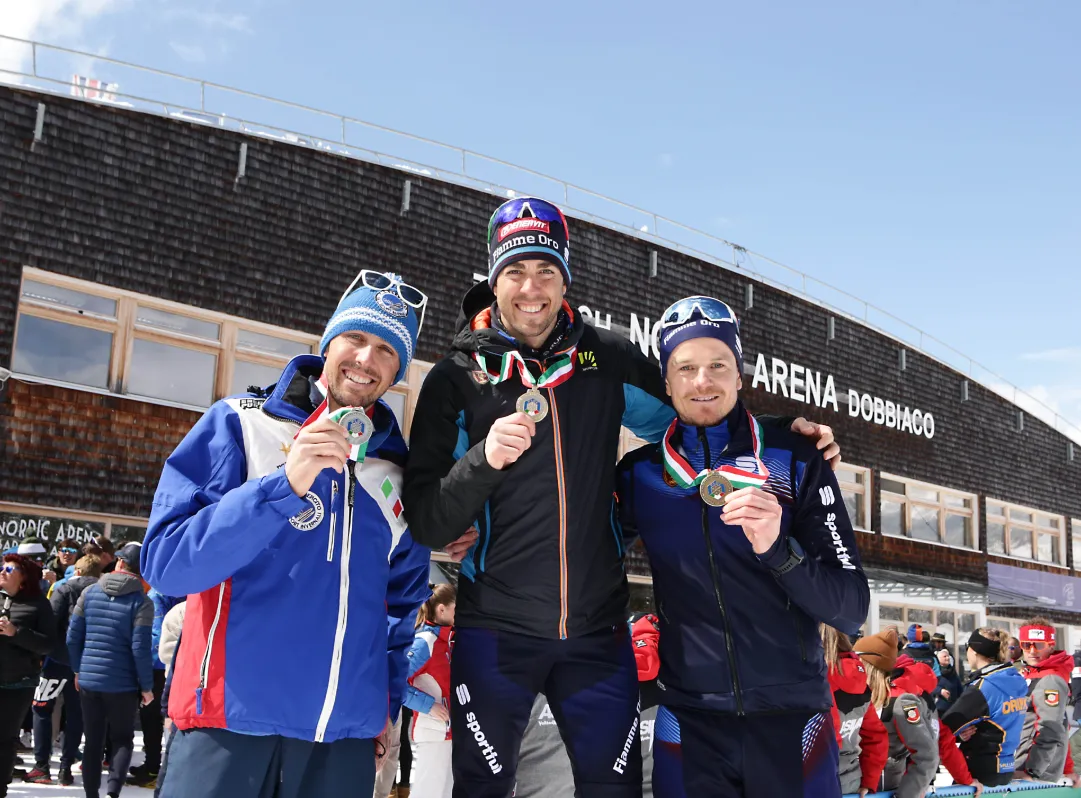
(754, 705)
(303, 580)
(919, 649)
(989, 715)
(901, 690)
(516, 432)
(1044, 751)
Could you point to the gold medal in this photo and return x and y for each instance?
(357, 425)
(533, 404)
(714, 489)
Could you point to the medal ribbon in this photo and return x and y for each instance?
(684, 475)
(556, 374)
(356, 453)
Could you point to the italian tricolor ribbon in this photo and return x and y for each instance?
(556, 374)
(681, 472)
(356, 453)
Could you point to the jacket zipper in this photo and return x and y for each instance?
(563, 603)
(343, 610)
(333, 519)
(730, 648)
(204, 668)
(799, 637)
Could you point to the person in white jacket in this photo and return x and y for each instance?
(170, 635)
(427, 695)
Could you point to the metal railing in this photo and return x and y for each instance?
(203, 102)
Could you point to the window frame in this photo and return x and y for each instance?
(907, 502)
(1075, 542)
(1033, 528)
(865, 491)
(125, 330)
(956, 647)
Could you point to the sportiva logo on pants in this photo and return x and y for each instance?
(486, 749)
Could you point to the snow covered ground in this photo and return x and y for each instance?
(20, 789)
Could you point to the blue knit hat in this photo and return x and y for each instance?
(379, 312)
(527, 228)
(699, 317)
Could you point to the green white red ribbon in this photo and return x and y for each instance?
(686, 477)
(556, 374)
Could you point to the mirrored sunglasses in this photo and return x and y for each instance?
(1034, 645)
(709, 308)
(9, 568)
(526, 208)
(68, 550)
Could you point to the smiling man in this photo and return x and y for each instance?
(302, 579)
(517, 432)
(751, 548)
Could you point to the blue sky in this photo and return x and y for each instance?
(924, 156)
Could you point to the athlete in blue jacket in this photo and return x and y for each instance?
(751, 547)
(989, 715)
(302, 579)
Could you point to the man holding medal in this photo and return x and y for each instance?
(751, 548)
(278, 516)
(516, 432)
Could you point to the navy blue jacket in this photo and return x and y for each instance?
(109, 636)
(735, 636)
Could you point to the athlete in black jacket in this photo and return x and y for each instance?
(516, 432)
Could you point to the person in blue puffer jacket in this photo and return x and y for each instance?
(109, 647)
(302, 578)
(751, 548)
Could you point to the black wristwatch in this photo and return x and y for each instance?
(795, 557)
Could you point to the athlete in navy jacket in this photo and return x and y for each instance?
(751, 547)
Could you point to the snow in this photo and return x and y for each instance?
(20, 789)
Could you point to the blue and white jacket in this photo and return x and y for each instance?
(300, 610)
(736, 636)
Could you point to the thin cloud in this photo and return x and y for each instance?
(192, 53)
(212, 20)
(59, 21)
(1061, 355)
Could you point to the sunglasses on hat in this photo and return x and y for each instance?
(708, 308)
(378, 281)
(526, 208)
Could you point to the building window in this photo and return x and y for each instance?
(957, 626)
(83, 334)
(855, 484)
(1023, 532)
(51, 525)
(1075, 542)
(927, 512)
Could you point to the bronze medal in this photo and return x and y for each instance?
(714, 489)
(533, 404)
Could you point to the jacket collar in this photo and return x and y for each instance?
(731, 437)
(295, 397)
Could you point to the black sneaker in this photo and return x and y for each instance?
(65, 778)
(148, 781)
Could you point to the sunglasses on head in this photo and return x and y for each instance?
(378, 281)
(709, 308)
(9, 568)
(1034, 646)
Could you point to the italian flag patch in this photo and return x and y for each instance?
(391, 497)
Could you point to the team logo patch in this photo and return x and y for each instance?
(308, 519)
(639, 643)
(1036, 634)
(669, 480)
(523, 225)
(251, 404)
(912, 713)
(392, 304)
(1052, 697)
(480, 377)
(587, 361)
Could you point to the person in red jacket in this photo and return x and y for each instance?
(862, 740)
(1044, 752)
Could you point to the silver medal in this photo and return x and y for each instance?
(358, 427)
(533, 404)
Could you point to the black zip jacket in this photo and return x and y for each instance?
(63, 602)
(549, 560)
(22, 656)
